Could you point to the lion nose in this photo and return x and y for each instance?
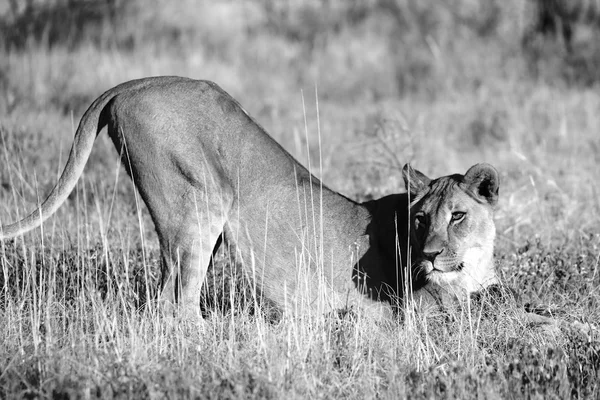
(431, 255)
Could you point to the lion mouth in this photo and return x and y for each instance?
(424, 271)
(427, 267)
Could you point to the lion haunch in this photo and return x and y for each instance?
(205, 169)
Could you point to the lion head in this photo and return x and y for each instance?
(452, 229)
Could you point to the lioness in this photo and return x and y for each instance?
(205, 169)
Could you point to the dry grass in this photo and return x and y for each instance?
(417, 86)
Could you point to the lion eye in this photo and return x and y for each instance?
(419, 221)
(458, 216)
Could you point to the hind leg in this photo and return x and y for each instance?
(186, 250)
(177, 171)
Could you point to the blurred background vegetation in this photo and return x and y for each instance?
(440, 84)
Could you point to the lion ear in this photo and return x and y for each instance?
(415, 181)
(482, 180)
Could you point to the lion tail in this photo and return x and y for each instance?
(91, 124)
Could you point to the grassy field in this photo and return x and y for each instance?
(396, 81)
